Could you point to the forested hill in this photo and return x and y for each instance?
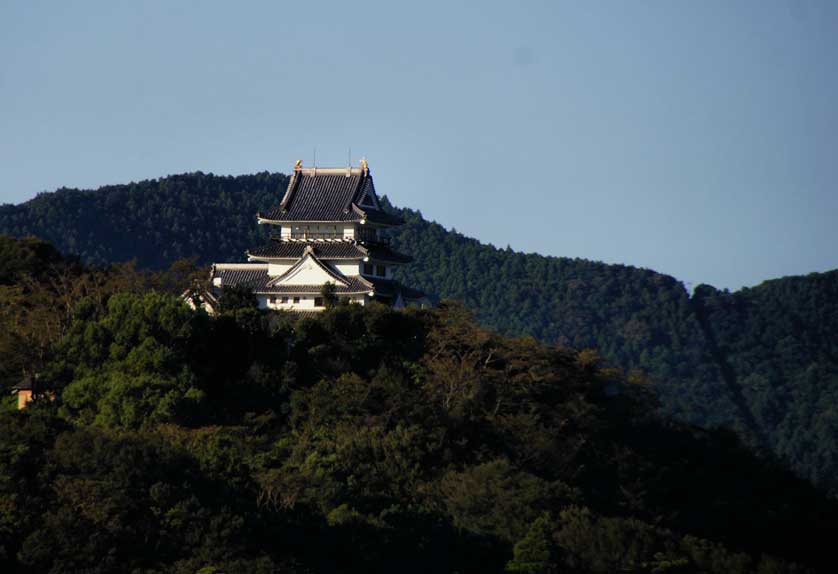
(167, 441)
(762, 361)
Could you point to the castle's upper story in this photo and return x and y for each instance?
(332, 202)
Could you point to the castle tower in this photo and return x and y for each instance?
(329, 226)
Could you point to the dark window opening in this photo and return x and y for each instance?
(318, 301)
(368, 270)
(368, 234)
(296, 299)
(316, 232)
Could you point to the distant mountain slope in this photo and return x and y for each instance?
(636, 318)
(779, 343)
(761, 361)
(153, 221)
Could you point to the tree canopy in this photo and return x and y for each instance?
(760, 361)
(368, 440)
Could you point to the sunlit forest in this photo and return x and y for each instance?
(762, 362)
(163, 439)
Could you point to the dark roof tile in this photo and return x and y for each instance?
(295, 249)
(329, 194)
(255, 277)
(252, 276)
(328, 250)
(355, 284)
(391, 287)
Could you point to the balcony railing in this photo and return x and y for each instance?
(316, 235)
(304, 235)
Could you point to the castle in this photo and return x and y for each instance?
(330, 225)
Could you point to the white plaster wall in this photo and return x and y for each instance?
(275, 269)
(353, 268)
(306, 302)
(333, 229)
(346, 229)
(309, 273)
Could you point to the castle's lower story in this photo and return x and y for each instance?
(283, 281)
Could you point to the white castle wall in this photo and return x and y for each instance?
(353, 268)
(309, 273)
(346, 230)
(275, 269)
(306, 302)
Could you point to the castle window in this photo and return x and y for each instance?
(296, 299)
(368, 233)
(368, 269)
(284, 300)
(318, 301)
(272, 300)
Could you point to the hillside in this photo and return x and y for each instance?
(761, 361)
(363, 440)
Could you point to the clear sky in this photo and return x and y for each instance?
(696, 138)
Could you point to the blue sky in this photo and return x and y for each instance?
(696, 138)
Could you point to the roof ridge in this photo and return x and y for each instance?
(293, 183)
(357, 209)
(352, 198)
(369, 193)
(309, 253)
(314, 240)
(318, 170)
(366, 282)
(254, 266)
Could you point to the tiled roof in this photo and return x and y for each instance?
(382, 217)
(294, 250)
(255, 277)
(328, 194)
(384, 253)
(328, 250)
(355, 285)
(390, 287)
(27, 383)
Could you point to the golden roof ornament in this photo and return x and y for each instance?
(364, 165)
(298, 165)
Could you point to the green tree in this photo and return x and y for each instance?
(329, 294)
(128, 368)
(535, 553)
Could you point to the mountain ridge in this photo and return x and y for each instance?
(642, 321)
